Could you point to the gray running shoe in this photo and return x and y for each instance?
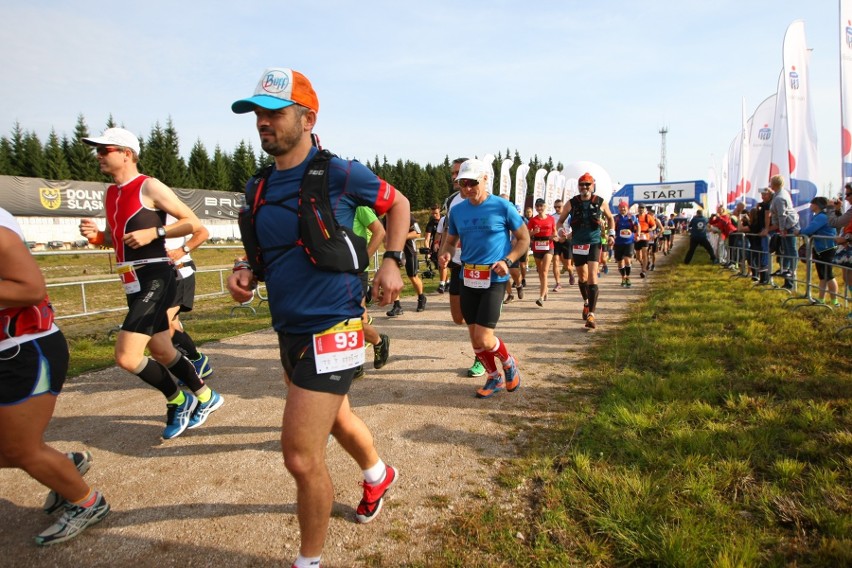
(55, 501)
(75, 520)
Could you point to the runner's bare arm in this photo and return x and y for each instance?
(21, 281)
(566, 210)
(448, 249)
(158, 195)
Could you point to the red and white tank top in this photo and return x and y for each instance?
(126, 213)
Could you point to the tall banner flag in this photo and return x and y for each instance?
(780, 148)
(712, 196)
(734, 157)
(550, 190)
(560, 186)
(489, 159)
(801, 129)
(846, 88)
(742, 183)
(571, 189)
(760, 149)
(521, 186)
(538, 185)
(506, 177)
(722, 186)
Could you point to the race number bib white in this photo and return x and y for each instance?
(625, 233)
(541, 246)
(129, 279)
(643, 237)
(339, 347)
(582, 250)
(477, 276)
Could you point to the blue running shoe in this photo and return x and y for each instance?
(177, 416)
(513, 375)
(204, 410)
(202, 366)
(493, 385)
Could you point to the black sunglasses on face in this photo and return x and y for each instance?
(468, 182)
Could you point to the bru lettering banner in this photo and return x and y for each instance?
(35, 197)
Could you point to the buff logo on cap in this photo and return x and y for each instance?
(276, 83)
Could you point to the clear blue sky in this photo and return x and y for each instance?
(568, 79)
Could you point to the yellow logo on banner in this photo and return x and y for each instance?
(50, 198)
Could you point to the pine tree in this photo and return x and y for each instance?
(81, 160)
(220, 171)
(199, 174)
(56, 166)
(162, 157)
(243, 166)
(5, 156)
(17, 145)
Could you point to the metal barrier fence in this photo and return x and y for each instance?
(95, 297)
(747, 255)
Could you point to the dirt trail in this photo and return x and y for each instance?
(220, 496)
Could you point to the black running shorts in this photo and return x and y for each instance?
(412, 264)
(623, 251)
(147, 308)
(641, 244)
(297, 357)
(593, 256)
(483, 306)
(455, 279)
(38, 368)
(185, 293)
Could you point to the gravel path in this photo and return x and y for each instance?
(220, 496)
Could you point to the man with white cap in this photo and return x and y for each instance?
(483, 223)
(316, 312)
(587, 210)
(136, 207)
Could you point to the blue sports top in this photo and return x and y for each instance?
(625, 223)
(484, 229)
(302, 298)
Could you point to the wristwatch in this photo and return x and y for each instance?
(161, 232)
(394, 254)
(186, 249)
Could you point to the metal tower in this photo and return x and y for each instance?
(663, 131)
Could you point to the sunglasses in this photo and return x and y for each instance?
(468, 182)
(104, 150)
(585, 185)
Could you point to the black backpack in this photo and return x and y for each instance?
(329, 245)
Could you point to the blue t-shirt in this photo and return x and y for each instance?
(625, 224)
(302, 298)
(484, 230)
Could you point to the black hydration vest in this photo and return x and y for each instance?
(329, 245)
(582, 217)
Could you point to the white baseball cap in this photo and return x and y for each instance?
(115, 137)
(473, 169)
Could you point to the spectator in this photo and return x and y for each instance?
(784, 220)
(698, 236)
(822, 248)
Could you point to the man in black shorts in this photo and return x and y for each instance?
(136, 207)
(179, 249)
(412, 270)
(316, 313)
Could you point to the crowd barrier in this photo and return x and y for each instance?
(740, 254)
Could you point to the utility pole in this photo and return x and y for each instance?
(663, 131)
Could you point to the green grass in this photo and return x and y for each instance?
(718, 433)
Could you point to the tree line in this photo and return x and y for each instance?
(23, 154)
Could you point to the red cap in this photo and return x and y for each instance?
(586, 178)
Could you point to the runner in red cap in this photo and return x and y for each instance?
(586, 210)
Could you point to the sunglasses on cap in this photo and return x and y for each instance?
(468, 182)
